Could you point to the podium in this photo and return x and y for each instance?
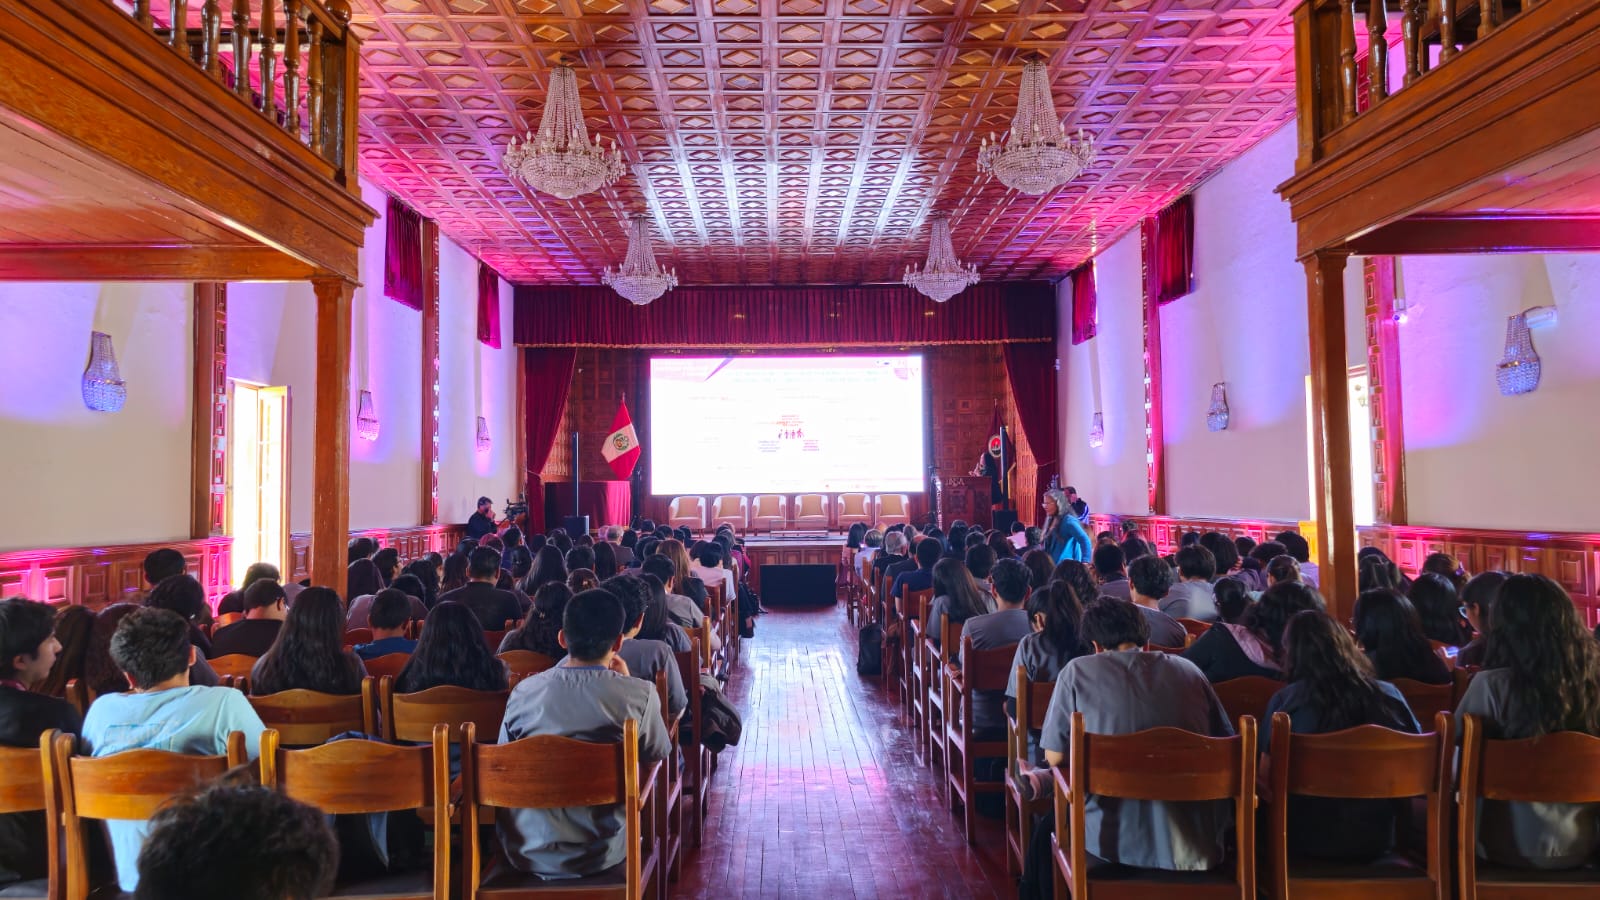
(964, 497)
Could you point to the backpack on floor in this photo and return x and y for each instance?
(869, 654)
(719, 721)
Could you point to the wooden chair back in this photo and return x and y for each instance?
(493, 639)
(388, 664)
(1563, 767)
(1167, 764)
(1462, 677)
(411, 717)
(79, 695)
(236, 664)
(354, 636)
(28, 784)
(1247, 696)
(696, 758)
(527, 662)
(1426, 700)
(308, 718)
(1194, 627)
(1032, 702)
(550, 772)
(1368, 762)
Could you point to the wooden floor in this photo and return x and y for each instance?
(823, 797)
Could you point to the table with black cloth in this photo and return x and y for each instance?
(604, 502)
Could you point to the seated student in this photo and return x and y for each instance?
(681, 610)
(980, 562)
(264, 610)
(1056, 616)
(100, 672)
(1299, 548)
(260, 845)
(1390, 633)
(159, 565)
(183, 595)
(871, 543)
(1283, 568)
(1224, 553)
(1254, 647)
(1040, 566)
(605, 561)
(646, 656)
(587, 697)
(1233, 600)
(1331, 687)
(309, 654)
(1192, 597)
(390, 613)
(1149, 581)
(1375, 570)
(1477, 605)
(360, 614)
(580, 580)
(1439, 608)
(956, 596)
(709, 569)
(493, 607)
(362, 579)
(580, 557)
(1110, 569)
(538, 632)
(1541, 675)
(549, 565)
(161, 712)
(451, 652)
(233, 601)
(928, 552)
(1007, 625)
(1122, 688)
(893, 552)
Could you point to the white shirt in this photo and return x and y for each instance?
(709, 576)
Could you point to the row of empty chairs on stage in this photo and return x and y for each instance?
(769, 512)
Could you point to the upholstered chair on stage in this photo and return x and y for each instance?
(811, 510)
(892, 509)
(854, 508)
(733, 509)
(690, 511)
(771, 511)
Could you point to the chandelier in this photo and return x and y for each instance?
(560, 160)
(1040, 155)
(942, 276)
(640, 279)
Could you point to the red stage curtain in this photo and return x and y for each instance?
(402, 254)
(1085, 303)
(547, 380)
(780, 318)
(1170, 244)
(1031, 372)
(488, 306)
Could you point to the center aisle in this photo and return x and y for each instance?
(823, 797)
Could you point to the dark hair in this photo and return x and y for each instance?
(653, 625)
(580, 558)
(100, 671)
(953, 581)
(239, 841)
(24, 627)
(856, 533)
(1319, 654)
(1108, 560)
(72, 628)
(630, 538)
(634, 597)
(980, 561)
(159, 565)
(426, 571)
(1001, 546)
(1112, 622)
(974, 538)
(1151, 577)
(582, 580)
(605, 560)
(1133, 548)
(539, 629)
(1243, 545)
(1077, 577)
(592, 622)
(561, 541)
(1376, 572)
(956, 540)
(262, 594)
(1033, 534)
(391, 608)
(484, 563)
(387, 559)
(659, 566)
(1189, 539)
(1554, 662)
(1018, 526)
(583, 540)
(549, 565)
(1481, 592)
(451, 651)
(411, 586)
(929, 550)
(1011, 579)
(1390, 632)
(362, 577)
(648, 525)
(1233, 599)
(150, 645)
(1437, 605)
(258, 572)
(1062, 610)
(512, 536)
(1295, 545)
(360, 548)
(710, 554)
(1283, 567)
(455, 573)
(1195, 561)
(1278, 604)
(1040, 565)
(1448, 566)
(1225, 556)
(180, 593)
(309, 653)
(1266, 550)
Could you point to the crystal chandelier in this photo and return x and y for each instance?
(640, 279)
(560, 160)
(1040, 155)
(942, 276)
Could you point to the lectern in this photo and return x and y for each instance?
(964, 497)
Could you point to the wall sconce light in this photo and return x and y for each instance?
(1518, 371)
(1217, 415)
(483, 434)
(103, 387)
(1097, 430)
(366, 418)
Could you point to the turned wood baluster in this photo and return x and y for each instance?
(269, 59)
(211, 30)
(1490, 15)
(1410, 11)
(314, 103)
(291, 66)
(1447, 30)
(1377, 52)
(1347, 60)
(178, 37)
(241, 48)
(141, 13)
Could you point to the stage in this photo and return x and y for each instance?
(811, 549)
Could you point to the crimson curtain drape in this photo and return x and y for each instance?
(1031, 372)
(488, 306)
(547, 380)
(1085, 303)
(1170, 239)
(785, 317)
(402, 254)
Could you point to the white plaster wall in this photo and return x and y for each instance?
(1243, 325)
(69, 476)
(1473, 457)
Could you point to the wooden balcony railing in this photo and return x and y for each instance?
(295, 62)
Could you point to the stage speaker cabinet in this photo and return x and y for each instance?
(798, 585)
(575, 525)
(1003, 520)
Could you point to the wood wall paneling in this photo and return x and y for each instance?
(208, 475)
(412, 542)
(1384, 406)
(97, 576)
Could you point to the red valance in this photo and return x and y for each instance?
(402, 254)
(785, 317)
(1085, 303)
(1169, 239)
(488, 306)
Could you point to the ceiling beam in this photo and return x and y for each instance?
(1488, 233)
(150, 262)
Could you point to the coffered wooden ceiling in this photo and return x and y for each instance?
(806, 141)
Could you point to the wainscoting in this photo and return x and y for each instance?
(412, 541)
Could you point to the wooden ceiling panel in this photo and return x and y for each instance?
(795, 141)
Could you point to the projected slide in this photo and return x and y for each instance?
(784, 425)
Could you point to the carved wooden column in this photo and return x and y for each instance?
(1333, 491)
(1154, 430)
(1384, 407)
(330, 455)
(208, 470)
(429, 514)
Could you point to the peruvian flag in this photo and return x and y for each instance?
(621, 446)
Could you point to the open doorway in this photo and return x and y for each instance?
(1363, 497)
(258, 494)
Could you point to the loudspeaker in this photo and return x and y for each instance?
(798, 585)
(1003, 519)
(575, 525)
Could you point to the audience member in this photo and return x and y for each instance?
(240, 842)
(580, 557)
(28, 653)
(73, 625)
(956, 596)
(657, 626)
(1477, 605)
(894, 551)
(1033, 538)
(1243, 545)
(580, 580)
(264, 612)
(390, 612)
(1223, 552)
(1390, 632)
(451, 652)
(687, 584)
(1283, 568)
(309, 654)
(161, 712)
(605, 560)
(428, 572)
(681, 610)
(360, 548)
(622, 541)
(159, 565)
(1077, 505)
(871, 543)
(549, 565)
(100, 671)
(409, 586)
(1055, 615)
(362, 579)
(233, 602)
(1040, 565)
(183, 595)
(1376, 572)
(540, 631)
(646, 656)
(1192, 597)
(1001, 546)
(1135, 547)
(1439, 607)
(586, 697)
(920, 578)
(1447, 567)
(1110, 570)
(1007, 625)
(710, 570)
(481, 522)
(387, 559)
(1254, 647)
(1266, 551)
(1150, 580)
(455, 573)
(980, 562)
(1233, 600)
(494, 607)
(1297, 546)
